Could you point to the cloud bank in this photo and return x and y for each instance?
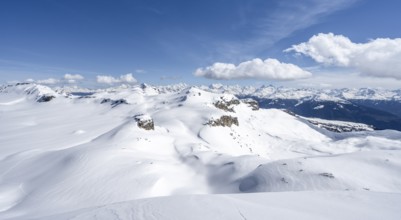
(379, 57)
(269, 69)
(67, 78)
(49, 81)
(73, 78)
(128, 78)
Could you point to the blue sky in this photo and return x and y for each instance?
(163, 42)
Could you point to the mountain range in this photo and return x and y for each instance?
(191, 152)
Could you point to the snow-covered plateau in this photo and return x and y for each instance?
(181, 152)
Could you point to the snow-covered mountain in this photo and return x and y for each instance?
(273, 92)
(102, 154)
(379, 108)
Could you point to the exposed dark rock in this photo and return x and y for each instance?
(339, 128)
(335, 127)
(228, 163)
(143, 86)
(224, 121)
(253, 104)
(86, 97)
(182, 98)
(147, 125)
(114, 103)
(329, 175)
(289, 112)
(145, 122)
(226, 105)
(22, 83)
(105, 101)
(45, 98)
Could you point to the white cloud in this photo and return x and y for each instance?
(269, 69)
(48, 81)
(380, 57)
(73, 78)
(128, 78)
(107, 79)
(287, 18)
(69, 78)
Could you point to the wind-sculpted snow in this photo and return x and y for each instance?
(340, 172)
(75, 152)
(288, 205)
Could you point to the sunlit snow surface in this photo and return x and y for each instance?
(82, 156)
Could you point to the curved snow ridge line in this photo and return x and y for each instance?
(10, 196)
(284, 205)
(13, 102)
(369, 171)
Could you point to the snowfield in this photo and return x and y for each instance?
(287, 205)
(143, 152)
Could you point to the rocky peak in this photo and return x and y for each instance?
(45, 98)
(224, 121)
(144, 122)
(253, 104)
(226, 105)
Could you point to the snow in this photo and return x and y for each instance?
(336, 95)
(338, 124)
(340, 172)
(73, 157)
(287, 205)
(318, 107)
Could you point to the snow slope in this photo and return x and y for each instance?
(286, 205)
(84, 149)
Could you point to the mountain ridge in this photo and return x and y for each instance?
(90, 148)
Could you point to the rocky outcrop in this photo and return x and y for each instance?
(145, 122)
(45, 98)
(253, 104)
(224, 121)
(341, 127)
(114, 103)
(289, 112)
(22, 84)
(328, 175)
(226, 105)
